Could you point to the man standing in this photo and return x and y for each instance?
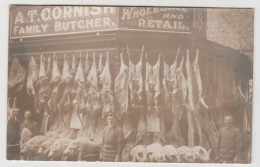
(29, 124)
(229, 142)
(112, 141)
(13, 137)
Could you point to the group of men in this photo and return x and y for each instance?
(228, 147)
(15, 126)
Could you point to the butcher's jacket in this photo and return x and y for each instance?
(229, 143)
(112, 143)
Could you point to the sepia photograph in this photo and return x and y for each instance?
(130, 84)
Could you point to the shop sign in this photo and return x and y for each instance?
(164, 19)
(52, 20)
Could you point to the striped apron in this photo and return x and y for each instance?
(109, 153)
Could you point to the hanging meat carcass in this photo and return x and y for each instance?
(121, 89)
(17, 76)
(42, 95)
(198, 81)
(56, 94)
(181, 86)
(107, 97)
(152, 84)
(65, 104)
(173, 100)
(136, 99)
(78, 102)
(32, 76)
(93, 101)
(194, 101)
(121, 97)
(135, 81)
(154, 117)
(191, 104)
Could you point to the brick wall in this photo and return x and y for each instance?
(232, 28)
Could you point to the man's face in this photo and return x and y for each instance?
(228, 121)
(27, 115)
(111, 121)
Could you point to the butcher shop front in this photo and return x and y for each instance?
(138, 84)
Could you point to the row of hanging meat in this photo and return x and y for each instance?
(175, 86)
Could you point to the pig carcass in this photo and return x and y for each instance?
(202, 154)
(44, 148)
(31, 147)
(71, 153)
(26, 134)
(81, 149)
(186, 155)
(32, 76)
(88, 150)
(17, 76)
(138, 154)
(171, 153)
(107, 95)
(121, 89)
(155, 153)
(57, 148)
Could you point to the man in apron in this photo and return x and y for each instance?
(112, 141)
(229, 142)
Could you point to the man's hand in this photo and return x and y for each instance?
(118, 158)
